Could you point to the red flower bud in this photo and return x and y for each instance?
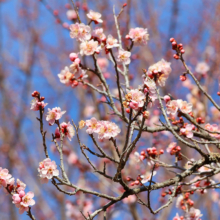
(55, 12)
(127, 110)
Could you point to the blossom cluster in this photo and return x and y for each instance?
(92, 42)
(213, 128)
(138, 35)
(47, 169)
(68, 77)
(134, 99)
(21, 199)
(37, 103)
(173, 149)
(104, 129)
(159, 71)
(186, 204)
(173, 105)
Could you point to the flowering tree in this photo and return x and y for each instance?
(136, 144)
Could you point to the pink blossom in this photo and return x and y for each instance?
(137, 157)
(65, 76)
(179, 201)
(54, 114)
(47, 169)
(166, 98)
(111, 42)
(103, 63)
(80, 31)
(150, 88)
(21, 185)
(4, 177)
(71, 14)
(162, 68)
(67, 129)
(202, 68)
(108, 130)
(213, 128)
(27, 200)
(124, 56)
(93, 126)
(74, 67)
(172, 107)
(187, 131)
(99, 34)
(130, 199)
(137, 99)
(95, 16)
(89, 47)
(193, 214)
(184, 106)
(89, 111)
(72, 158)
(138, 35)
(16, 199)
(36, 104)
(147, 176)
(73, 56)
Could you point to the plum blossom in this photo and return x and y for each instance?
(137, 157)
(72, 158)
(16, 198)
(172, 107)
(138, 35)
(4, 177)
(67, 129)
(150, 88)
(99, 33)
(93, 126)
(184, 106)
(108, 130)
(104, 129)
(47, 169)
(54, 114)
(124, 56)
(74, 67)
(65, 76)
(187, 131)
(27, 200)
(213, 128)
(202, 67)
(89, 47)
(147, 176)
(95, 16)
(193, 214)
(36, 104)
(130, 199)
(80, 31)
(103, 63)
(20, 184)
(71, 14)
(136, 99)
(162, 69)
(111, 42)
